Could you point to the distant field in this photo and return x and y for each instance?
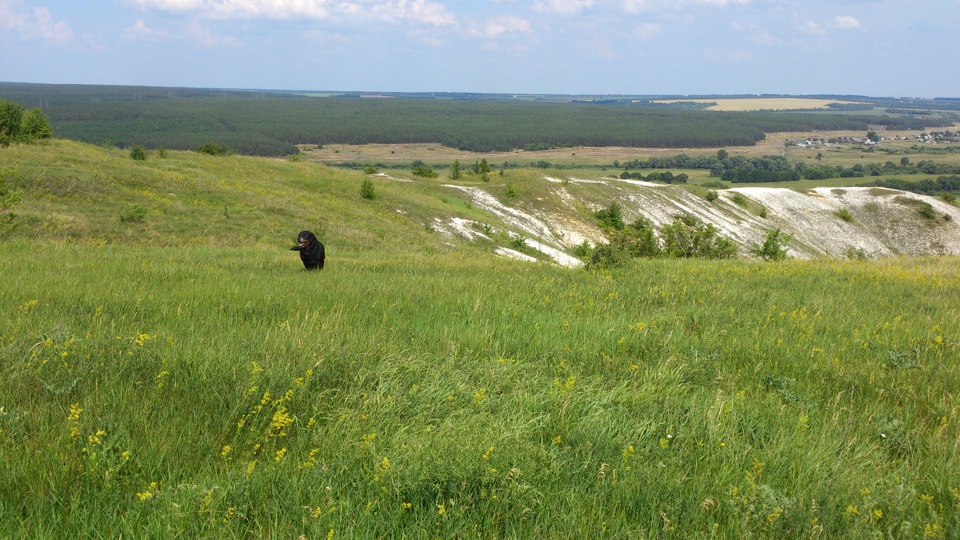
(772, 144)
(763, 104)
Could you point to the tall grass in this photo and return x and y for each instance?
(209, 392)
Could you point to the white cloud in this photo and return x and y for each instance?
(563, 7)
(420, 11)
(646, 31)
(141, 32)
(206, 37)
(38, 24)
(845, 22)
(417, 11)
(811, 27)
(499, 26)
(637, 6)
(755, 33)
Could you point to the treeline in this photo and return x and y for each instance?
(741, 169)
(944, 184)
(264, 123)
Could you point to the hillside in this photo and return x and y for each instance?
(74, 191)
(170, 370)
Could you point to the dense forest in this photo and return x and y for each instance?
(271, 123)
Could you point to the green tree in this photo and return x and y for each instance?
(722, 154)
(610, 218)
(34, 125)
(366, 189)
(11, 114)
(138, 153)
(774, 247)
(455, 173)
(422, 169)
(689, 237)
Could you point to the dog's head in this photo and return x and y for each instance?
(305, 238)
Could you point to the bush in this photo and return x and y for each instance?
(134, 214)
(609, 255)
(774, 246)
(844, 214)
(214, 149)
(423, 170)
(740, 200)
(687, 237)
(138, 153)
(712, 196)
(34, 126)
(610, 217)
(11, 114)
(370, 169)
(366, 189)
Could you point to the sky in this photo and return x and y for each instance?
(888, 48)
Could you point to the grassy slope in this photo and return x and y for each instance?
(185, 377)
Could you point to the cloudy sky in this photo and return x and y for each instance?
(869, 47)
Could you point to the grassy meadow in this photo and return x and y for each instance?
(181, 375)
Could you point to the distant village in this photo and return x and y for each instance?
(872, 138)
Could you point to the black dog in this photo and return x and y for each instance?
(311, 250)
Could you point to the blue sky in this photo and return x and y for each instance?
(869, 47)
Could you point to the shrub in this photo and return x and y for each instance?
(688, 237)
(712, 196)
(34, 126)
(11, 114)
(366, 189)
(927, 212)
(583, 250)
(740, 200)
(423, 170)
(370, 169)
(162, 153)
(134, 214)
(844, 214)
(610, 217)
(138, 153)
(609, 255)
(214, 149)
(295, 157)
(511, 191)
(774, 246)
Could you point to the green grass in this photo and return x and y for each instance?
(439, 397)
(183, 376)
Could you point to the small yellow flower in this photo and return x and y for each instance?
(852, 510)
(441, 509)
(877, 514)
(311, 459)
(225, 452)
(488, 453)
(406, 505)
(280, 453)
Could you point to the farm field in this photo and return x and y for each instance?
(762, 104)
(170, 370)
(772, 144)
